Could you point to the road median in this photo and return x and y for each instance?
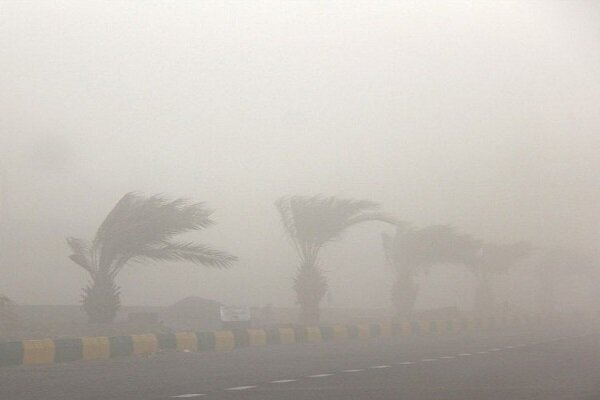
(49, 351)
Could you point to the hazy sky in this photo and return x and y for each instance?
(481, 114)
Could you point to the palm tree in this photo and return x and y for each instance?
(491, 260)
(7, 315)
(412, 251)
(311, 223)
(559, 261)
(138, 230)
(5, 302)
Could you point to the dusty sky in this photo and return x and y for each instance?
(482, 114)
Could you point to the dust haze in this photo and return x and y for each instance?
(479, 115)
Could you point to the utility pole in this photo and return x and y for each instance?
(3, 213)
(3, 196)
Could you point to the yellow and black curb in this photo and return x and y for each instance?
(48, 351)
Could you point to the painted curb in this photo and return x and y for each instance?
(49, 351)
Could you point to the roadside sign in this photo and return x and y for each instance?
(235, 314)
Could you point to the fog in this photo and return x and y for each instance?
(481, 115)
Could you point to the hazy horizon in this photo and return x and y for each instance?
(482, 115)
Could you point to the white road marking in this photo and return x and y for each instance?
(241, 388)
(190, 395)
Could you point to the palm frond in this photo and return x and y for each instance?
(413, 249)
(137, 222)
(184, 251)
(373, 216)
(312, 221)
(141, 228)
(81, 253)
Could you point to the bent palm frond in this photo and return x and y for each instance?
(184, 251)
(373, 216)
(419, 248)
(312, 222)
(81, 253)
(141, 227)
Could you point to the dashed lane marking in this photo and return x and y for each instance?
(241, 388)
(237, 388)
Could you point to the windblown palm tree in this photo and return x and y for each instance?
(412, 251)
(311, 223)
(491, 260)
(5, 302)
(7, 315)
(139, 230)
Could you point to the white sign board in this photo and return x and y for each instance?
(232, 314)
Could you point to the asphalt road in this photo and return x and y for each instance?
(510, 365)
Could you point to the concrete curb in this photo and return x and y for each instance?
(49, 351)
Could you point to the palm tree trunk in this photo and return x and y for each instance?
(310, 286)
(310, 314)
(404, 295)
(101, 299)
